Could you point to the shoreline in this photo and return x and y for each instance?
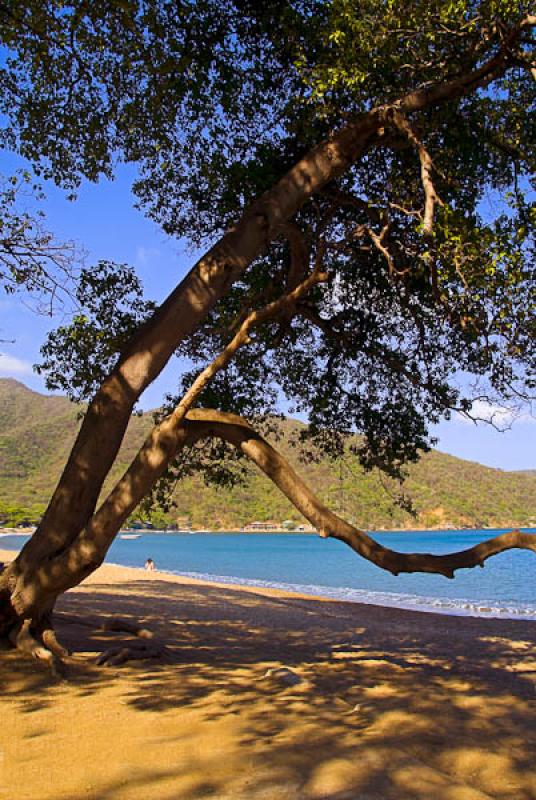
(293, 591)
(149, 531)
(268, 588)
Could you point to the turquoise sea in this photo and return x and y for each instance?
(506, 587)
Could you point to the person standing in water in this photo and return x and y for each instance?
(149, 564)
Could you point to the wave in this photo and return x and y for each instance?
(502, 608)
(410, 602)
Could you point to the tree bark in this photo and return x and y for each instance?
(105, 422)
(71, 540)
(88, 551)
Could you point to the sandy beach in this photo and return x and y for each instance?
(267, 695)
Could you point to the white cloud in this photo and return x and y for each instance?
(144, 255)
(500, 416)
(11, 367)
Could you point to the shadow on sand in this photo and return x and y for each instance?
(389, 704)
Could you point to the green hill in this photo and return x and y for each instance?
(36, 433)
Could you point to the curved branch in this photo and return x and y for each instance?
(431, 198)
(233, 429)
(75, 562)
(143, 358)
(89, 550)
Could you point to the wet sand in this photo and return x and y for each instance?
(360, 702)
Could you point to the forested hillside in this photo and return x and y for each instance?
(36, 433)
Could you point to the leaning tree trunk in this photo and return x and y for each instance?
(151, 347)
(35, 634)
(153, 344)
(67, 545)
(107, 417)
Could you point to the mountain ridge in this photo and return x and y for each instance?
(37, 431)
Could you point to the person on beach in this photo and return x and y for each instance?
(149, 564)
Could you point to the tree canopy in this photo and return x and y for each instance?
(32, 259)
(429, 239)
(362, 175)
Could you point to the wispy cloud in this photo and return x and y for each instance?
(144, 255)
(12, 367)
(501, 417)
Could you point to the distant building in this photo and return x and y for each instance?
(289, 524)
(184, 523)
(272, 525)
(141, 525)
(269, 525)
(302, 527)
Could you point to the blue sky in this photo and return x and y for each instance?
(105, 224)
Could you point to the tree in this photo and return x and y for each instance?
(31, 259)
(338, 159)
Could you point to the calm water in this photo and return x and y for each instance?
(305, 563)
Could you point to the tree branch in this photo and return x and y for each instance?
(353, 201)
(299, 254)
(199, 424)
(203, 423)
(378, 241)
(148, 351)
(427, 165)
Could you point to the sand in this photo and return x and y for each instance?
(371, 703)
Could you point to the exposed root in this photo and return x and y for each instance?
(119, 625)
(30, 642)
(149, 647)
(38, 640)
(132, 652)
(50, 640)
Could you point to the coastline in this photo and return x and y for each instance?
(266, 695)
(148, 531)
(386, 600)
(333, 581)
(117, 573)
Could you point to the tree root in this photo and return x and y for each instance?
(38, 640)
(32, 642)
(120, 625)
(50, 641)
(134, 651)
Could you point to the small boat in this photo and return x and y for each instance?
(130, 535)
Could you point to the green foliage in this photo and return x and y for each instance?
(36, 433)
(31, 259)
(214, 101)
(13, 515)
(372, 51)
(78, 356)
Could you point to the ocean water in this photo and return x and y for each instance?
(506, 587)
